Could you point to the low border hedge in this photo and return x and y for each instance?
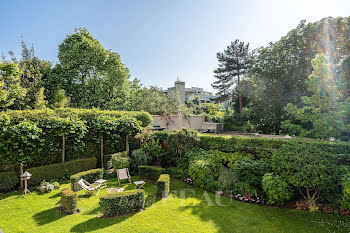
(69, 201)
(60, 170)
(8, 181)
(163, 185)
(151, 173)
(90, 176)
(122, 203)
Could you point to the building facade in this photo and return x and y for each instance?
(189, 94)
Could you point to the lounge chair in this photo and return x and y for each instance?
(123, 174)
(89, 187)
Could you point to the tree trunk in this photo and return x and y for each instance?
(21, 172)
(101, 151)
(239, 95)
(127, 144)
(63, 148)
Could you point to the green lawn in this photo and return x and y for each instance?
(39, 213)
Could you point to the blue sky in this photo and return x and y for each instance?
(159, 40)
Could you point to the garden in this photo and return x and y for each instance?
(189, 181)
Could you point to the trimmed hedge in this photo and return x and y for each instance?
(151, 173)
(81, 133)
(8, 181)
(90, 176)
(60, 170)
(69, 201)
(259, 147)
(122, 202)
(163, 185)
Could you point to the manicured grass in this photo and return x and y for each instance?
(192, 213)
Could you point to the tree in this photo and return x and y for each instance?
(93, 76)
(234, 64)
(10, 89)
(40, 102)
(60, 99)
(322, 114)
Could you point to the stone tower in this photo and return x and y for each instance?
(180, 89)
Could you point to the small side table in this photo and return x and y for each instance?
(139, 184)
(101, 182)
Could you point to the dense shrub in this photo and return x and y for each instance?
(163, 185)
(227, 178)
(138, 158)
(60, 170)
(203, 167)
(8, 181)
(120, 160)
(249, 174)
(69, 201)
(151, 173)
(179, 142)
(307, 168)
(276, 189)
(122, 202)
(345, 183)
(90, 176)
(154, 151)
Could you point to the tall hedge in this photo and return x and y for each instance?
(82, 135)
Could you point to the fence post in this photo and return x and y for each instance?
(102, 151)
(63, 147)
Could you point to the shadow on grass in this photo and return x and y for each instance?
(96, 224)
(93, 211)
(48, 216)
(55, 195)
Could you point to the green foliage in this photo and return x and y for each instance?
(345, 183)
(40, 102)
(90, 176)
(151, 173)
(203, 167)
(154, 151)
(138, 158)
(60, 100)
(307, 168)
(182, 141)
(227, 178)
(82, 133)
(276, 189)
(60, 170)
(250, 172)
(69, 201)
(122, 202)
(8, 181)
(163, 185)
(120, 160)
(322, 114)
(9, 84)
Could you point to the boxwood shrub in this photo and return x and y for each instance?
(122, 202)
(163, 185)
(69, 201)
(8, 181)
(60, 170)
(151, 173)
(90, 176)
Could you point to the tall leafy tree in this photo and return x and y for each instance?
(234, 63)
(10, 89)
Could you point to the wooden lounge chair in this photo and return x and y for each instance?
(123, 174)
(89, 187)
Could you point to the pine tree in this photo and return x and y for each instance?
(234, 63)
